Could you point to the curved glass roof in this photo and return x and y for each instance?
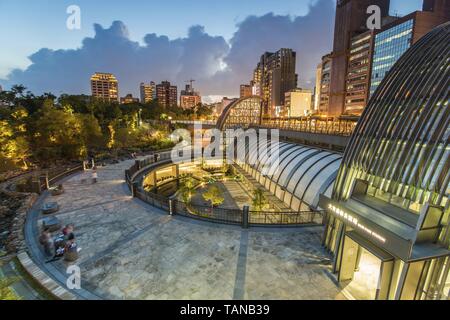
(300, 174)
(243, 111)
(401, 144)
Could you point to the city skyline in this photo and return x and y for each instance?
(221, 70)
(302, 155)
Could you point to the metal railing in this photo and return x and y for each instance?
(153, 199)
(326, 126)
(41, 180)
(285, 218)
(337, 126)
(214, 214)
(54, 177)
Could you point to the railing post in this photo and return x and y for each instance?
(36, 186)
(245, 216)
(134, 187)
(137, 165)
(171, 211)
(44, 180)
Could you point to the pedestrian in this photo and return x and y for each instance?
(47, 242)
(94, 175)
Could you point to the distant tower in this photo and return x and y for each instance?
(189, 98)
(166, 94)
(105, 86)
(148, 92)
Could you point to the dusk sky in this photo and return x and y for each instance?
(220, 51)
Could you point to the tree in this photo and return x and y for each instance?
(259, 201)
(6, 293)
(58, 135)
(213, 195)
(13, 149)
(203, 111)
(187, 189)
(91, 132)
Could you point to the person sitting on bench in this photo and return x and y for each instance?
(71, 250)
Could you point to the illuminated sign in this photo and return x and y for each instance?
(354, 221)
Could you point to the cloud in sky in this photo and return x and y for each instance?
(218, 66)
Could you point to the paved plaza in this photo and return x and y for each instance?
(131, 250)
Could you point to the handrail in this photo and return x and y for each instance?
(213, 214)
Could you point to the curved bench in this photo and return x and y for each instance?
(50, 285)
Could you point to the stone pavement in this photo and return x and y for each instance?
(131, 250)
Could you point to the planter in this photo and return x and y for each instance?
(50, 208)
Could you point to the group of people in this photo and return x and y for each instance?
(63, 245)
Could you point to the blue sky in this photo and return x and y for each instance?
(28, 25)
(216, 42)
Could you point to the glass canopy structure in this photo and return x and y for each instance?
(298, 176)
(388, 216)
(245, 111)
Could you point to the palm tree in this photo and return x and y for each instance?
(259, 201)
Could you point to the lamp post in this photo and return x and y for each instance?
(139, 117)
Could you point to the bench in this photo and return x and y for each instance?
(45, 281)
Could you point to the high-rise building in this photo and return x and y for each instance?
(274, 76)
(351, 19)
(166, 94)
(325, 77)
(128, 99)
(246, 90)
(387, 216)
(317, 87)
(392, 41)
(148, 92)
(189, 98)
(358, 73)
(298, 103)
(105, 86)
(256, 82)
(369, 55)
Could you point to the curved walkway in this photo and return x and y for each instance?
(131, 250)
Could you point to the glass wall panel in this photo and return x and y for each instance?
(321, 182)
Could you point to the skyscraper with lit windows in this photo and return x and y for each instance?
(396, 37)
(105, 86)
